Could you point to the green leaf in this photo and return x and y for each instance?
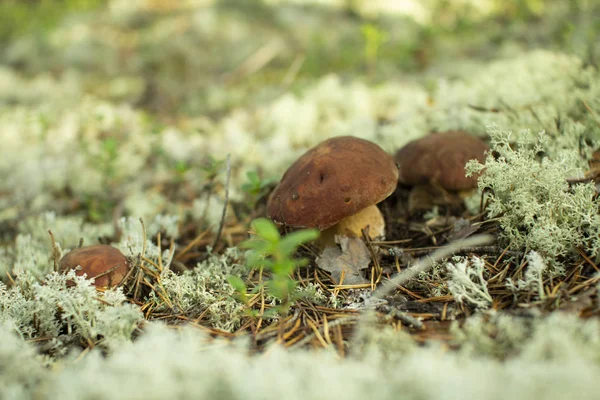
(291, 241)
(181, 167)
(284, 267)
(266, 182)
(253, 185)
(271, 312)
(110, 147)
(301, 262)
(237, 283)
(257, 288)
(254, 260)
(258, 245)
(277, 288)
(266, 229)
(253, 178)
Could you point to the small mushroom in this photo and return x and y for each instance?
(440, 159)
(335, 187)
(106, 264)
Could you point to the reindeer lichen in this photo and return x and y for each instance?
(65, 310)
(467, 283)
(528, 193)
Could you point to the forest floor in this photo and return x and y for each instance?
(161, 128)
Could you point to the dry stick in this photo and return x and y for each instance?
(193, 243)
(220, 231)
(139, 273)
(423, 265)
(406, 318)
(55, 251)
(257, 60)
(336, 322)
(293, 70)
(589, 109)
(496, 250)
(426, 263)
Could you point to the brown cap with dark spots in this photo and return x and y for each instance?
(332, 181)
(440, 158)
(104, 263)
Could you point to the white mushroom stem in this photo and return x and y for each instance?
(353, 225)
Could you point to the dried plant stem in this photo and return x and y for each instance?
(331, 324)
(226, 202)
(56, 254)
(423, 265)
(427, 263)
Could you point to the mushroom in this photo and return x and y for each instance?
(335, 187)
(440, 159)
(106, 264)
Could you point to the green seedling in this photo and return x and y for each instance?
(255, 187)
(374, 38)
(212, 167)
(181, 168)
(110, 149)
(274, 253)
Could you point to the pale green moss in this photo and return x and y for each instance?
(533, 279)
(205, 290)
(530, 197)
(21, 369)
(467, 282)
(65, 310)
(551, 358)
(559, 337)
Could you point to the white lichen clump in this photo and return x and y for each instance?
(467, 282)
(65, 309)
(559, 351)
(533, 279)
(530, 197)
(205, 291)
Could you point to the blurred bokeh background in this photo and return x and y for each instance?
(138, 102)
(172, 57)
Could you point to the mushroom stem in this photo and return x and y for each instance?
(353, 225)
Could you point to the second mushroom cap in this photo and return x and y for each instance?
(440, 158)
(106, 264)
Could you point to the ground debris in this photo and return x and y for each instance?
(348, 261)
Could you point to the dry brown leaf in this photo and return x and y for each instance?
(353, 257)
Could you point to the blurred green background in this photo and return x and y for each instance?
(253, 47)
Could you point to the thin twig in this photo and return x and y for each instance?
(293, 70)
(331, 324)
(589, 109)
(193, 243)
(55, 251)
(220, 231)
(496, 250)
(425, 264)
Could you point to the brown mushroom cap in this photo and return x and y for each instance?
(440, 158)
(332, 181)
(96, 262)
